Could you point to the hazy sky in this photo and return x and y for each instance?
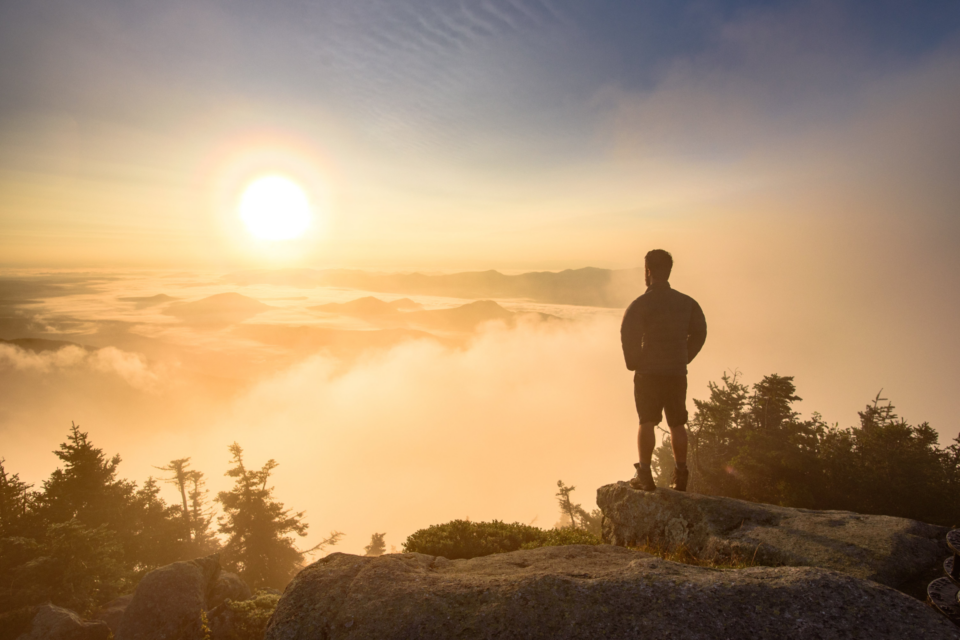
(496, 133)
(799, 159)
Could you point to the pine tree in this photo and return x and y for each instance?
(201, 516)
(88, 490)
(377, 547)
(87, 487)
(180, 477)
(14, 499)
(258, 528)
(576, 515)
(663, 463)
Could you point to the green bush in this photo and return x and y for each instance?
(560, 537)
(250, 617)
(463, 539)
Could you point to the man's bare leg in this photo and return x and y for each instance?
(647, 442)
(678, 438)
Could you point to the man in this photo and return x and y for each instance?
(662, 332)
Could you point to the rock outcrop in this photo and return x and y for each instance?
(169, 602)
(893, 551)
(56, 623)
(591, 592)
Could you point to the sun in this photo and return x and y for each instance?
(275, 207)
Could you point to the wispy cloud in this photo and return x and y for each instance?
(132, 368)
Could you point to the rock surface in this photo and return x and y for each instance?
(55, 623)
(228, 586)
(169, 601)
(112, 612)
(892, 551)
(591, 592)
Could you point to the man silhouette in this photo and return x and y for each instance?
(662, 332)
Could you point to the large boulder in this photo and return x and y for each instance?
(893, 551)
(169, 603)
(55, 623)
(582, 591)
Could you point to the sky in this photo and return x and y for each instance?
(467, 134)
(799, 159)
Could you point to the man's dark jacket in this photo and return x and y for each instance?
(662, 331)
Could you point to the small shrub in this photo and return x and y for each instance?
(461, 539)
(250, 617)
(561, 537)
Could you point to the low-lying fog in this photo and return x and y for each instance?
(388, 414)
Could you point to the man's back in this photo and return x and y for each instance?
(662, 331)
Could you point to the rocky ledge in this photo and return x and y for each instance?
(587, 592)
(896, 552)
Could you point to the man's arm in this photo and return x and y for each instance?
(631, 336)
(696, 332)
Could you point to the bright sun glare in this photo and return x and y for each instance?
(275, 208)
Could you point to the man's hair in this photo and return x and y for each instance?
(660, 264)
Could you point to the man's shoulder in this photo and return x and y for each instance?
(682, 296)
(660, 296)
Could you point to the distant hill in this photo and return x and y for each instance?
(219, 309)
(588, 286)
(148, 301)
(463, 318)
(369, 306)
(39, 345)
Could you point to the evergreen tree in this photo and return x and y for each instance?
(201, 517)
(180, 477)
(576, 515)
(377, 547)
(152, 531)
(663, 462)
(258, 528)
(72, 565)
(754, 446)
(14, 499)
(918, 479)
(86, 488)
(714, 434)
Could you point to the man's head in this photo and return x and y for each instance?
(658, 264)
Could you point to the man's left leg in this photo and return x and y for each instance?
(676, 409)
(678, 439)
(646, 443)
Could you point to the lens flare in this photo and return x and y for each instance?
(275, 207)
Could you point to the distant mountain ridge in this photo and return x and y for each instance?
(368, 306)
(142, 302)
(586, 287)
(221, 308)
(463, 318)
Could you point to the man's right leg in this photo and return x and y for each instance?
(678, 438)
(675, 406)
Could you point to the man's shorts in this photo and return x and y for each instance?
(659, 394)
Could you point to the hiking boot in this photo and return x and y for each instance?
(643, 480)
(680, 477)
